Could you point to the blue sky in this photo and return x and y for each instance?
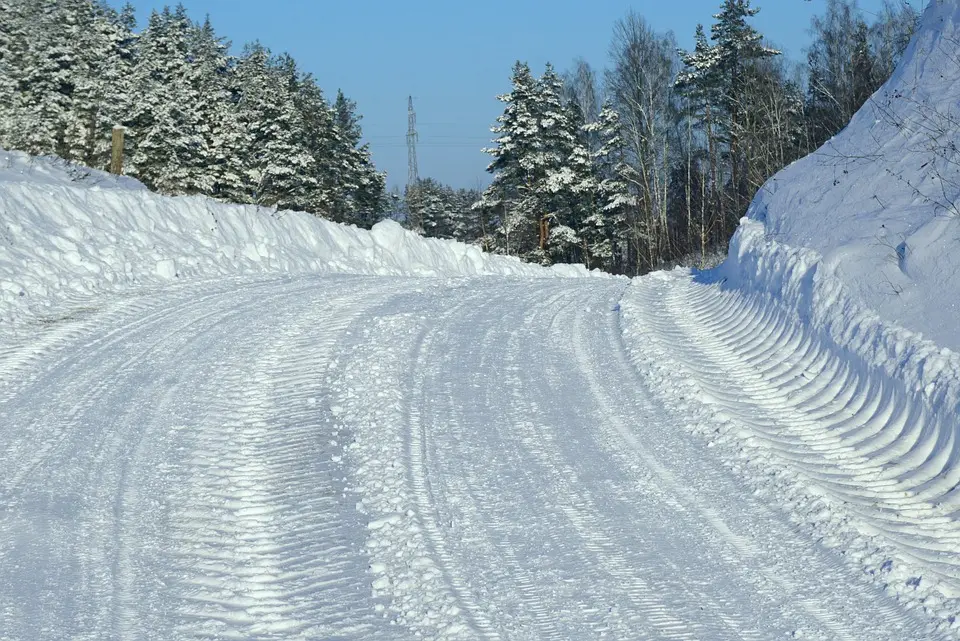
(454, 57)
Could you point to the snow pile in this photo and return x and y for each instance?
(823, 355)
(880, 202)
(68, 232)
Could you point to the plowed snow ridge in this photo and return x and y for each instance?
(870, 459)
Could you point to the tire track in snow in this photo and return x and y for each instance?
(499, 480)
(410, 568)
(275, 554)
(94, 535)
(744, 548)
(585, 550)
(57, 498)
(525, 588)
(861, 443)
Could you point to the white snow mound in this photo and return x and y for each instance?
(823, 355)
(880, 202)
(68, 232)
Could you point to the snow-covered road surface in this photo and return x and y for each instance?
(358, 457)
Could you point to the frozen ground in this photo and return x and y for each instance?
(223, 422)
(372, 457)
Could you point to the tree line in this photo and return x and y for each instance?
(656, 158)
(252, 128)
(651, 160)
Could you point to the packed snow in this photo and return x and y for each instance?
(230, 422)
(820, 358)
(69, 232)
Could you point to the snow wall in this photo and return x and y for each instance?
(837, 313)
(68, 232)
(862, 238)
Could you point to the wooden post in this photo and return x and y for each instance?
(116, 159)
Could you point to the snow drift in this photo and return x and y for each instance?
(880, 202)
(822, 355)
(68, 232)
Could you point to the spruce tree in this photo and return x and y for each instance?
(103, 93)
(359, 186)
(217, 170)
(46, 78)
(13, 55)
(319, 139)
(511, 197)
(605, 231)
(562, 169)
(170, 154)
(278, 168)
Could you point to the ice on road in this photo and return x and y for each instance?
(370, 458)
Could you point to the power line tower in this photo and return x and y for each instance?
(413, 174)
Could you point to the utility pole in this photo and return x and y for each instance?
(412, 173)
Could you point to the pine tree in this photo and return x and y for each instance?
(563, 161)
(218, 170)
(605, 231)
(46, 78)
(170, 153)
(428, 208)
(359, 186)
(102, 93)
(511, 197)
(466, 223)
(718, 80)
(13, 55)
(279, 170)
(543, 183)
(319, 139)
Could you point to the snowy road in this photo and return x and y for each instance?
(354, 457)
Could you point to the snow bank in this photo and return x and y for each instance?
(849, 424)
(68, 232)
(823, 355)
(880, 202)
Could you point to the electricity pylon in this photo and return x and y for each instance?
(412, 172)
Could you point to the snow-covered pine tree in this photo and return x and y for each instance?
(219, 170)
(278, 169)
(13, 55)
(511, 199)
(170, 154)
(46, 77)
(428, 206)
(562, 166)
(718, 82)
(605, 231)
(102, 91)
(320, 139)
(466, 223)
(739, 48)
(360, 187)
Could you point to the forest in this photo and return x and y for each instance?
(648, 162)
(252, 128)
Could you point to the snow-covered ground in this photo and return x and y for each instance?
(69, 233)
(380, 457)
(878, 206)
(226, 422)
(822, 357)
